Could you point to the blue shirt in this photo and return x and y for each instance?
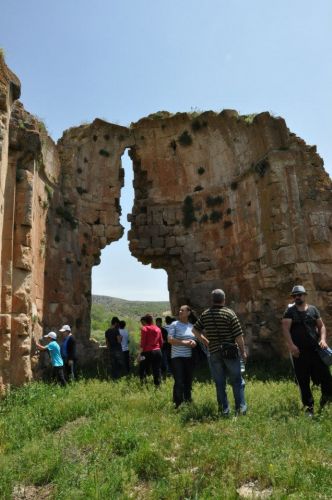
(181, 331)
(54, 350)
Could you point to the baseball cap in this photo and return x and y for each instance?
(51, 335)
(65, 328)
(298, 289)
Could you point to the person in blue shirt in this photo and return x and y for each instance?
(56, 360)
(183, 341)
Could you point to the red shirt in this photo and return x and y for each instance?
(151, 338)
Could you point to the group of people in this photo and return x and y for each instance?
(63, 356)
(117, 341)
(169, 349)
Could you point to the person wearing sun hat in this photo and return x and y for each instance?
(56, 360)
(304, 331)
(68, 352)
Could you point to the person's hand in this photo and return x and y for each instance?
(191, 343)
(204, 340)
(294, 350)
(323, 344)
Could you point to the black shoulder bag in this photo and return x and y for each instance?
(324, 354)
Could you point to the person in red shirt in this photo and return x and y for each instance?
(150, 349)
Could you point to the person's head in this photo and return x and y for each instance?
(66, 330)
(168, 320)
(218, 296)
(184, 313)
(159, 322)
(122, 324)
(299, 294)
(50, 336)
(149, 319)
(143, 320)
(115, 321)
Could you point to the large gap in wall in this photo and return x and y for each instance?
(120, 274)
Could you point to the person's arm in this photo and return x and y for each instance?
(200, 336)
(160, 339)
(321, 333)
(119, 338)
(106, 338)
(293, 349)
(143, 340)
(240, 343)
(41, 347)
(184, 342)
(174, 341)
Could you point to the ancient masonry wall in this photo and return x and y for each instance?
(238, 203)
(221, 200)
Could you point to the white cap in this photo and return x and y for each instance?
(65, 328)
(51, 335)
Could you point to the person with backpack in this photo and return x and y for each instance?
(305, 332)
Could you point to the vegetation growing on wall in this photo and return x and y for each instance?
(185, 138)
(188, 212)
(66, 215)
(212, 201)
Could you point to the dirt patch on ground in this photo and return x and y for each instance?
(251, 490)
(21, 492)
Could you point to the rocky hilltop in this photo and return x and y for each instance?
(221, 200)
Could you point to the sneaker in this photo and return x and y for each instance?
(225, 412)
(241, 411)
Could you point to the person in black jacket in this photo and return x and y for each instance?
(113, 342)
(68, 353)
(304, 331)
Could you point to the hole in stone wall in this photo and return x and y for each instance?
(120, 274)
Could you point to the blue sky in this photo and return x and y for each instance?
(121, 60)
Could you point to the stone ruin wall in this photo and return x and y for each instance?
(234, 202)
(220, 201)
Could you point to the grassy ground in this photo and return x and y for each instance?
(107, 440)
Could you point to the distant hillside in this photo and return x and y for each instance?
(131, 308)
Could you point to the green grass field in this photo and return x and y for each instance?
(116, 440)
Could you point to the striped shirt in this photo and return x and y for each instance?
(181, 331)
(220, 325)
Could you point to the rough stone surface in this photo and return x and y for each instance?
(221, 200)
(239, 203)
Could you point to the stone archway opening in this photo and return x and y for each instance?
(120, 275)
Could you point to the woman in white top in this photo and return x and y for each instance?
(182, 340)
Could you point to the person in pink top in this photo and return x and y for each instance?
(150, 349)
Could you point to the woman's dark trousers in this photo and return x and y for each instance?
(309, 366)
(153, 360)
(182, 369)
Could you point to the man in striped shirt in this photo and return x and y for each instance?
(216, 327)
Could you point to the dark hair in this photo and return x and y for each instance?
(169, 320)
(122, 324)
(159, 319)
(149, 319)
(192, 317)
(115, 320)
(143, 320)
